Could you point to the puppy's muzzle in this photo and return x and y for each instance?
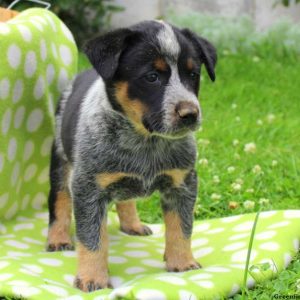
(187, 114)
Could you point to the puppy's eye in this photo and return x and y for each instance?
(152, 77)
(193, 75)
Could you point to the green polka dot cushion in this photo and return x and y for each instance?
(136, 265)
(38, 58)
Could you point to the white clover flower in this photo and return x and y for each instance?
(274, 163)
(259, 122)
(270, 118)
(263, 201)
(216, 179)
(215, 196)
(235, 142)
(250, 148)
(239, 181)
(237, 119)
(233, 105)
(203, 161)
(236, 186)
(257, 169)
(236, 156)
(248, 204)
(230, 169)
(255, 59)
(250, 191)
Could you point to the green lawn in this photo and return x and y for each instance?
(248, 147)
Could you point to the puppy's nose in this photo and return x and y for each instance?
(187, 112)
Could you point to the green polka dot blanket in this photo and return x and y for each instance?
(38, 58)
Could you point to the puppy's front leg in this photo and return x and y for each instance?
(178, 204)
(90, 216)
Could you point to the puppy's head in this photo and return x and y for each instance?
(152, 71)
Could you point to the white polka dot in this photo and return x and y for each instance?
(4, 28)
(4, 264)
(278, 225)
(15, 174)
(3, 229)
(5, 276)
(11, 211)
(136, 253)
(52, 23)
(44, 176)
(234, 290)
(120, 292)
(18, 254)
(16, 244)
(200, 276)
(25, 32)
(54, 50)
(12, 149)
(291, 214)
(234, 246)
(203, 252)
(135, 245)
(37, 25)
(187, 295)
(56, 290)
(33, 268)
(23, 226)
(69, 254)
(30, 240)
(18, 90)
(153, 263)
(217, 270)
(50, 72)
(116, 281)
(117, 259)
(4, 88)
(35, 120)
(205, 284)
(38, 201)
(39, 19)
(199, 242)
(148, 294)
(287, 259)
(241, 256)
(14, 56)
(267, 214)
(230, 219)
(270, 246)
(30, 172)
(246, 226)
(26, 291)
(172, 279)
(25, 202)
(19, 117)
(250, 283)
(18, 283)
(39, 88)
(28, 150)
(67, 32)
(6, 119)
(69, 278)
(30, 64)
(296, 244)
(1, 162)
(65, 55)
(201, 227)
(213, 231)
(46, 146)
(3, 199)
(265, 235)
(43, 50)
(62, 80)
(76, 297)
(44, 232)
(239, 236)
(134, 270)
(53, 262)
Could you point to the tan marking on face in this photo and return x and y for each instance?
(178, 176)
(178, 253)
(190, 64)
(93, 265)
(160, 65)
(59, 231)
(106, 179)
(133, 108)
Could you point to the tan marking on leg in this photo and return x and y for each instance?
(190, 64)
(133, 108)
(129, 219)
(106, 179)
(59, 232)
(160, 65)
(178, 253)
(178, 176)
(92, 271)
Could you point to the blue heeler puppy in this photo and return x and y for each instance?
(123, 130)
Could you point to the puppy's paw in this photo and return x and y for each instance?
(63, 246)
(181, 266)
(91, 284)
(137, 230)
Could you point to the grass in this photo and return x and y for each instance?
(248, 147)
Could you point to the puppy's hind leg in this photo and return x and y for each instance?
(60, 205)
(129, 220)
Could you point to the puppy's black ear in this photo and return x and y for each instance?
(104, 51)
(207, 52)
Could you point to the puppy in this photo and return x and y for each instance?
(123, 130)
